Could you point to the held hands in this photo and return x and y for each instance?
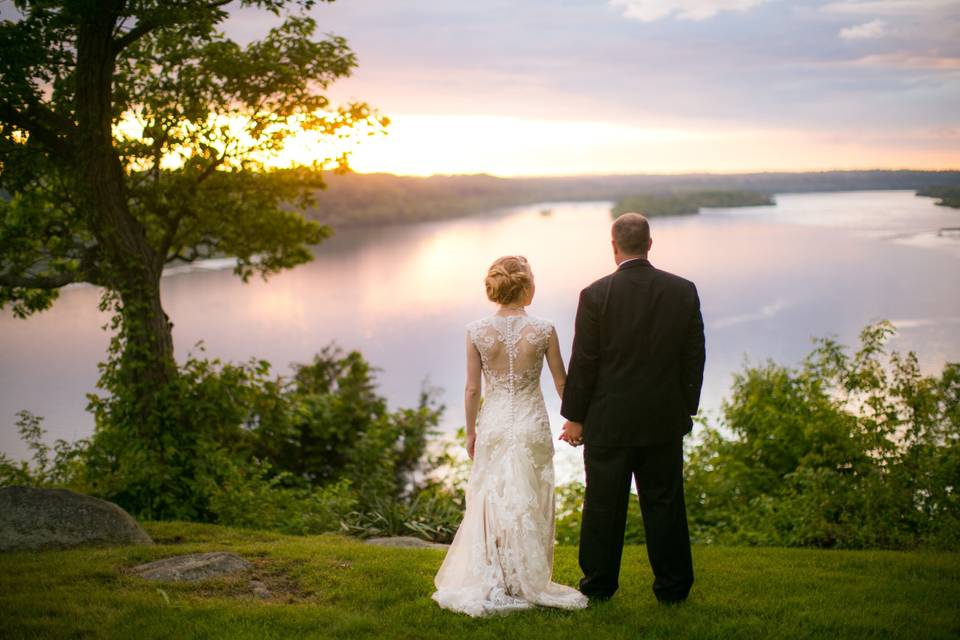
(572, 433)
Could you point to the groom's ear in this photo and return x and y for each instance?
(649, 243)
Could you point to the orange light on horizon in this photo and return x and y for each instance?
(505, 146)
(422, 145)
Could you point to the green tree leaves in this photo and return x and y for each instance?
(849, 450)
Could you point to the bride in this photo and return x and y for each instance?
(501, 558)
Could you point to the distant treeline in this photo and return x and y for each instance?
(685, 202)
(947, 196)
(363, 199)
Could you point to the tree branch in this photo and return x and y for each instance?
(87, 271)
(149, 24)
(143, 28)
(174, 224)
(39, 282)
(36, 121)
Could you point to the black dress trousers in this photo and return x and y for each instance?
(658, 472)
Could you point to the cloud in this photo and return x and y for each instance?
(866, 31)
(764, 313)
(914, 323)
(651, 10)
(905, 60)
(890, 7)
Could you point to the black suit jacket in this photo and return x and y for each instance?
(638, 352)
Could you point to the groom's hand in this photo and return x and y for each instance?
(572, 433)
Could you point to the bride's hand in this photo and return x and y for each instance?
(572, 433)
(471, 445)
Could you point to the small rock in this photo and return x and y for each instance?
(260, 589)
(32, 519)
(405, 541)
(193, 566)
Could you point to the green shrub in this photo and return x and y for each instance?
(848, 451)
(851, 451)
(168, 464)
(64, 469)
(432, 513)
(229, 443)
(255, 499)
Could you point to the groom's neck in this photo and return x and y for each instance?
(629, 258)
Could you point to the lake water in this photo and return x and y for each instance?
(770, 279)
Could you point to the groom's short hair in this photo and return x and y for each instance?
(631, 232)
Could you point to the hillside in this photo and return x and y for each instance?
(364, 199)
(334, 587)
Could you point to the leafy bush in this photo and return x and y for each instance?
(229, 443)
(328, 423)
(257, 500)
(169, 463)
(432, 513)
(64, 469)
(850, 451)
(569, 505)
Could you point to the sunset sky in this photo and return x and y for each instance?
(626, 86)
(562, 87)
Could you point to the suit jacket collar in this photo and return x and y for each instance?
(639, 262)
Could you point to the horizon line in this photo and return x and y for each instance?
(533, 176)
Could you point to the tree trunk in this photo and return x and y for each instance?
(131, 268)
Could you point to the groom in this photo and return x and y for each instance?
(633, 385)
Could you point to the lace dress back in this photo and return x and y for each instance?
(501, 558)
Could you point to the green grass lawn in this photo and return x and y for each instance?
(334, 587)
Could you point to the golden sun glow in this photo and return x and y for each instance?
(229, 135)
(507, 146)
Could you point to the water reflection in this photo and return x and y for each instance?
(770, 278)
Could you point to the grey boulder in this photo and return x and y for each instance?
(193, 566)
(33, 519)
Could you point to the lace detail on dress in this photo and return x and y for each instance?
(501, 558)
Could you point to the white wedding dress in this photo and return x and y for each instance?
(501, 558)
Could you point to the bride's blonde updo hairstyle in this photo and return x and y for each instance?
(508, 279)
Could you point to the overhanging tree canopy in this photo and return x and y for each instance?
(134, 133)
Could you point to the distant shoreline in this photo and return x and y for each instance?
(946, 196)
(682, 203)
(358, 200)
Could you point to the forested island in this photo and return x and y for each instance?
(687, 202)
(947, 196)
(363, 199)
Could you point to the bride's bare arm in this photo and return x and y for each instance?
(555, 362)
(471, 394)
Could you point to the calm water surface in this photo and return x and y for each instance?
(770, 279)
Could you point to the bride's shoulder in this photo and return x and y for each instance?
(478, 322)
(541, 323)
(478, 325)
